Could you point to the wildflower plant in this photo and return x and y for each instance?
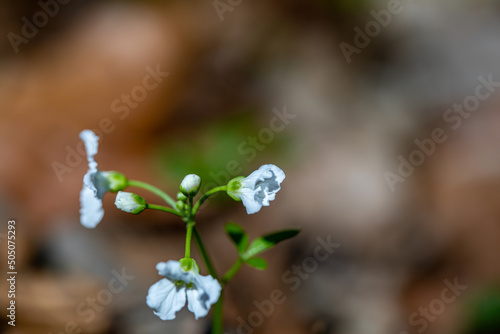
(182, 282)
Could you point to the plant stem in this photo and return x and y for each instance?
(218, 315)
(163, 208)
(199, 243)
(204, 254)
(205, 196)
(154, 190)
(232, 271)
(189, 233)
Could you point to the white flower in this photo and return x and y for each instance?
(130, 202)
(190, 185)
(257, 189)
(96, 184)
(168, 295)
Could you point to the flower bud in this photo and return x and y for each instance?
(181, 197)
(115, 181)
(179, 205)
(190, 185)
(130, 202)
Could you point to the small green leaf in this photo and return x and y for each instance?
(238, 236)
(257, 263)
(268, 241)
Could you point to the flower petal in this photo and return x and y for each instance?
(206, 292)
(248, 197)
(173, 271)
(264, 172)
(263, 195)
(211, 287)
(91, 144)
(91, 211)
(196, 300)
(166, 299)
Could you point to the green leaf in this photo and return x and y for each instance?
(237, 235)
(268, 241)
(257, 263)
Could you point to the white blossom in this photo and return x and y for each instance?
(91, 211)
(95, 184)
(168, 295)
(257, 189)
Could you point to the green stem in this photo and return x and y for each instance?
(189, 233)
(232, 271)
(153, 189)
(163, 208)
(218, 315)
(204, 254)
(207, 195)
(190, 211)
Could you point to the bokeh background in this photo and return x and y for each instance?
(224, 71)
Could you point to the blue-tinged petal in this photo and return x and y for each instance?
(87, 181)
(250, 180)
(278, 172)
(197, 300)
(173, 271)
(206, 292)
(91, 144)
(248, 197)
(263, 195)
(211, 287)
(166, 299)
(91, 211)
(269, 171)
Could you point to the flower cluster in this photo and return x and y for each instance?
(183, 281)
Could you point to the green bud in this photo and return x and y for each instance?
(130, 202)
(180, 205)
(181, 197)
(190, 185)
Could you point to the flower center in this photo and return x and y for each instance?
(180, 284)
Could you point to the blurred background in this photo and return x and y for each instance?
(383, 114)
